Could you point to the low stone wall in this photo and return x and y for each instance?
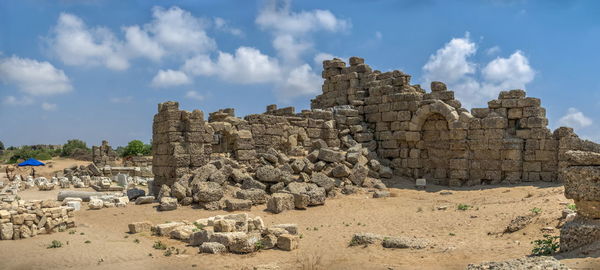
(20, 219)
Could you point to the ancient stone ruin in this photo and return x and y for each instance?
(104, 155)
(408, 131)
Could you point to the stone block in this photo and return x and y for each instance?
(138, 227)
(280, 202)
(287, 242)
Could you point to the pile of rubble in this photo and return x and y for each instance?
(24, 219)
(235, 233)
(99, 200)
(542, 263)
(282, 182)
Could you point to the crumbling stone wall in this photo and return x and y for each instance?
(104, 155)
(415, 132)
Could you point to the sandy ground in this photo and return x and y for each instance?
(52, 166)
(459, 237)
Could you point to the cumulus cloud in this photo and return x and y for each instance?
(276, 15)
(179, 30)
(194, 95)
(473, 85)
(300, 81)
(172, 31)
(246, 66)
(75, 44)
(492, 51)
(34, 77)
(49, 106)
(170, 78)
(290, 29)
(320, 57)
(575, 118)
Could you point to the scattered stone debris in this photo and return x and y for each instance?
(538, 263)
(518, 223)
(235, 233)
(365, 239)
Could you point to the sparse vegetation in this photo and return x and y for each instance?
(572, 206)
(536, 210)
(70, 147)
(159, 245)
(55, 244)
(72, 232)
(137, 241)
(546, 246)
(464, 207)
(259, 245)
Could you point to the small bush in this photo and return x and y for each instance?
(55, 244)
(198, 226)
(159, 245)
(88, 241)
(137, 241)
(572, 206)
(546, 246)
(463, 207)
(259, 245)
(536, 210)
(72, 232)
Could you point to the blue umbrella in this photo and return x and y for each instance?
(31, 162)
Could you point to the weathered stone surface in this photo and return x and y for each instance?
(404, 242)
(330, 155)
(212, 248)
(167, 204)
(365, 239)
(542, 263)
(182, 232)
(199, 237)
(208, 192)
(144, 200)
(238, 205)
(280, 202)
(323, 181)
(287, 242)
(257, 196)
(579, 232)
(6, 231)
(583, 158)
(135, 193)
(253, 184)
(95, 204)
(245, 244)
(165, 229)
(268, 174)
(138, 227)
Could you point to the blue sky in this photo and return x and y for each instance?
(96, 70)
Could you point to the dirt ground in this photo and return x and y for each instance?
(459, 237)
(52, 166)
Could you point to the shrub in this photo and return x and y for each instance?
(572, 206)
(1, 145)
(27, 152)
(135, 148)
(536, 210)
(546, 246)
(159, 245)
(55, 244)
(463, 207)
(71, 145)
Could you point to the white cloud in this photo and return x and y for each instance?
(450, 64)
(289, 48)
(575, 118)
(76, 44)
(276, 15)
(139, 43)
(170, 78)
(179, 30)
(49, 106)
(194, 95)
(33, 77)
(222, 25)
(300, 81)
(122, 100)
(378, 35)
(473, 87)
(172, 31)
(509, 72)
(12, 100)
(246, 66)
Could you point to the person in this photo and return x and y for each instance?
(33, 172)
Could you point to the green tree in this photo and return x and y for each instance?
(1, 145)
(135, 148)
(71, 145)
(26, 152)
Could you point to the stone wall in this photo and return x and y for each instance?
(23, 219)
(415, 132)
(104, 155)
